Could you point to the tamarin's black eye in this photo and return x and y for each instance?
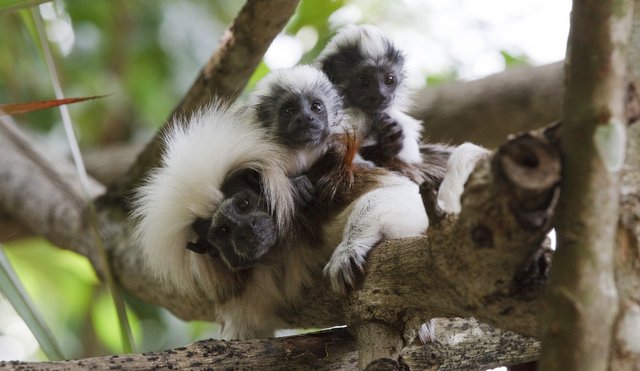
(389, 79)
(364, 82)
(243, 204)
(316, 106)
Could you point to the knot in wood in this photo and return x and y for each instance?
(482, 236)
(386, 364)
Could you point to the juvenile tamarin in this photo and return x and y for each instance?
(369, 72)
(209, 171)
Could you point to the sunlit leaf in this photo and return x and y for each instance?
(314, 14)
(13, 290)
(261, 71)
(106, 325)
(16, 108)
(11, 5)
(514, 60)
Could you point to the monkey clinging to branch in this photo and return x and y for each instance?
(250, 259)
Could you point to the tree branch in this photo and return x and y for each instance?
(626, 353)
(224, 76)
(464, 344)
(466, 265)
(582, 301)
(487, 110)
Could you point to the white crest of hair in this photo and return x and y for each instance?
(371, 40)
(186, 186)
(461, 163)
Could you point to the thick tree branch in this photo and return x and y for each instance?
(224, 76)
(42, 191)
(487, 110)
(464, 344)
(467, 265)
(626, 353)
(583, 300)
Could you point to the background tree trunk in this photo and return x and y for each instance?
(582, 297)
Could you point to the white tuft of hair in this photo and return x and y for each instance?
(372, 41)
(199, 154)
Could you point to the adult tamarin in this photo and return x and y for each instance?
(255, 263)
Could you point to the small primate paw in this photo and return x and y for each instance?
(305, 190)
(390, 136)
(198, 247)
(342, 267)
(202, 245)
(389, 139)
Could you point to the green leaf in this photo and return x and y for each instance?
(514, 60)
(12, 5)
(13, 290)
(106, 325)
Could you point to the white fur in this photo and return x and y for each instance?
(411, 129)
(186, 186)
(199, 155)
(372, 41)
(394, 210)
(461, 163)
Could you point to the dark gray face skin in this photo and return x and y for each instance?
(299, 120)
(371, 89)
(302, 122)
(241, 230)
(366, 83)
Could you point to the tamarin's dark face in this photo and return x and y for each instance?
(302, 121)
(371, 89)
(298, 106)
(366, 83)
(241, 230)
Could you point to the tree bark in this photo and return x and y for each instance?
(625, 344)
(582, 298)
(224, 76)
(487, 110)
(464, 345)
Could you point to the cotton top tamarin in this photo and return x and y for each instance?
(209, 171)
(369, 72)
